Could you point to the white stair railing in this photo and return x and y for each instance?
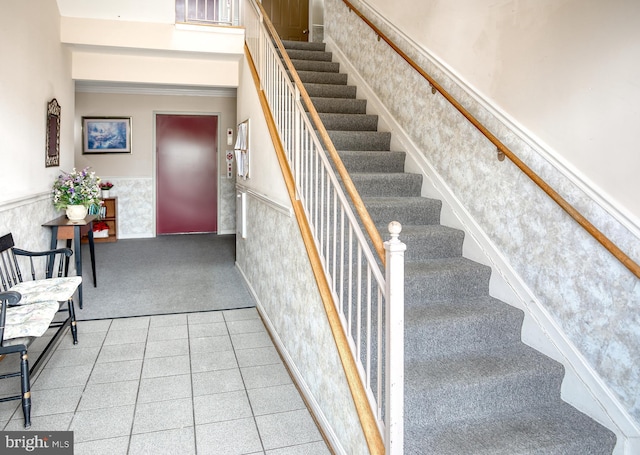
(370, 303)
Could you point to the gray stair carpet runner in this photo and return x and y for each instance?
(471, 385)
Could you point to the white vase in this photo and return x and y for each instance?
(76, 212)
(105, 194)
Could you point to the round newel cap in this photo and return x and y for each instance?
(395, 228)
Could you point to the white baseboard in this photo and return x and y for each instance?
(582, 387)
(136, 236)
(321, 419)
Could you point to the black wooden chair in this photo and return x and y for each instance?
(19, 326)
(48, 281)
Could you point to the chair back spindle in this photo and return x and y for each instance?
(6, 298)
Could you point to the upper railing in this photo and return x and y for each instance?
(208, 12)
(366, 305)
(503, 151)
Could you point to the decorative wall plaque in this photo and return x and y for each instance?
(52, 157)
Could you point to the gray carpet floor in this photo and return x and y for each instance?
(162, 275)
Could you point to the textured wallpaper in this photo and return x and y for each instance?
(593, 298)
(276, 265)
(24, 221)
(136, 212)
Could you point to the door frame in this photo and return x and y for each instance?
(154, 177)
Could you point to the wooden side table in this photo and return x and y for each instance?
(64, 229)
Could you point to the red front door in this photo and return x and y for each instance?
(187, 173)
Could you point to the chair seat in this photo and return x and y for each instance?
(58, 289)
(29, 320)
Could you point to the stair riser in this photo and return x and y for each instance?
(310, 65)
(440, 244)
(377, 185)
(331, 91)
(421, 289)
(349, 122)
(404, 210)
(428, 339)
(359, 161)
(303, 45)
(360, 140)
(314, 77)
(552, 430)
(484, 397)
(340, 105)
(300, 54)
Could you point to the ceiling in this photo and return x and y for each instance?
(161, 11)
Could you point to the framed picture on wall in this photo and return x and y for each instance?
(106, 135)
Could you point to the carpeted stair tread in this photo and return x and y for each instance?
(364, 161)
(430, 241)
(360, 140)
(339, 105)
(315, 77)
(436, 280)
(387, 184)
(303, 45)
(313, 65)
(445, 329)
(504, 380)
(331, 91)
(406, 210)
(349, 122)
(557, 429)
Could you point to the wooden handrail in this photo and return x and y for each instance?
(350, 188)
(365, 414)
(568, 208)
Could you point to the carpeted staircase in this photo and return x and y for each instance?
(472, 387)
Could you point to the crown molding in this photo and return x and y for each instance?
(153, 89)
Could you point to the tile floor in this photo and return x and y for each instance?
(198, 383)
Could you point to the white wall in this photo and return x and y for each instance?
(161, 11)
(35, 69)
(567, 70)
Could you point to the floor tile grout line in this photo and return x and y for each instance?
(193, 398)
(323, 436)
(244, 384)
(95, 361)
(135, 404)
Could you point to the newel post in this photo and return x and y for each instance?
(394, 345)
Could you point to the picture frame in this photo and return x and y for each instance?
(52, 150)
(102, 135)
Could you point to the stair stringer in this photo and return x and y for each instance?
(582, 387)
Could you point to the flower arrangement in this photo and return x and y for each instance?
(106, 185)
(76, 188)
